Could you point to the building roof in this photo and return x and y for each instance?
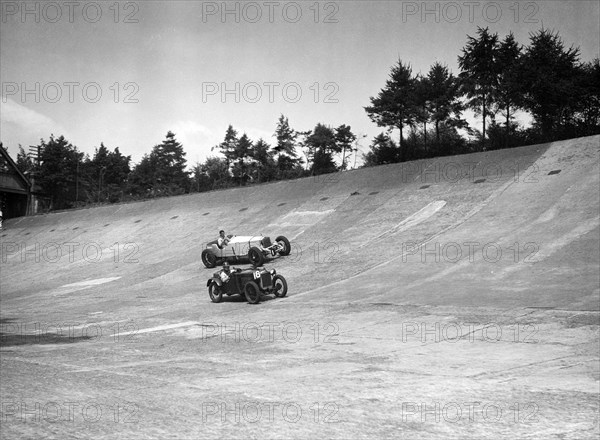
(11, 178)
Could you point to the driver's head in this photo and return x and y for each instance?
(226, 267)
(222, 233)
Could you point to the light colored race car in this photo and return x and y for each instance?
(257, 249)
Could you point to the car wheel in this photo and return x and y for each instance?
(215, 292)
(279, 286)
(287, 248)
(209, 259)
(256, 256)
(252, 292)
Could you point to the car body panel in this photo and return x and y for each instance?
(238, 246)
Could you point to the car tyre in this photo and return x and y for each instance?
(209, 259)
(256, 256)
(252, 292)
(215, 292)
(287, 248)
(280, 286)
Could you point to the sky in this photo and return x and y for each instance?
(126, 73)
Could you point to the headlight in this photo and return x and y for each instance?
(273, 272)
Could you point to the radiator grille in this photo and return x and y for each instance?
(266, 280)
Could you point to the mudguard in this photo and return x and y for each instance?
(215, 280)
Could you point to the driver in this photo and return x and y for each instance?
(225, 273)
(222, 241)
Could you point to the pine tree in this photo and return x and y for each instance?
(344, 139)
(383, 151)
(396, 104)
(322, 142)
(264, 167)
(443, 104)
(549, 76)
(170, 165)
(23, 162)
(241, 153)
(479, 75)
(162, 172)
(57, 172)
(286, 138)
(509, 91)
(142, 180)
(229, 145)
(422, 94)
(588, 109)
(217, 171)
(287, 158)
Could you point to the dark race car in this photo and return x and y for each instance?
(252, 283)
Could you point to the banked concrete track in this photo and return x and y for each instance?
(451, 297)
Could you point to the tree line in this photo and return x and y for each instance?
(73, 179)
(497, 78)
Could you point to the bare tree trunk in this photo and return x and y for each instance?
(484, 116)
(401, 144)
(507, 125)
(425, 125)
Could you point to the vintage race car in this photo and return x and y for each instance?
(256, 249)
(252, 283)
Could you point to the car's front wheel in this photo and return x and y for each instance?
(285, 243)
(256, 256)
(280, 287)
(209, 259)
(215, 292)
(252, 292)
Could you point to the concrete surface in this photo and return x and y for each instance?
(455, 297)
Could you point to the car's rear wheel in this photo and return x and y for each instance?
(280, 287)
(287, 248)
(215, 292)
(252, 292)
(256, 256)
(209, 259)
